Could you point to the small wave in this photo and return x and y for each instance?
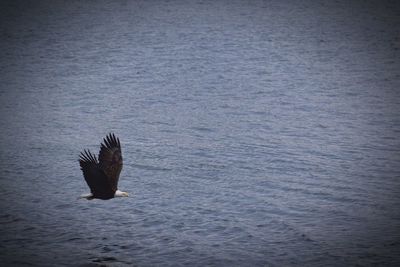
(151, 168)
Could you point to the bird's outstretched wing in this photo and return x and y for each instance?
(94, 176)
(110, 159)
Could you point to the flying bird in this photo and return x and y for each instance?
(102, 175)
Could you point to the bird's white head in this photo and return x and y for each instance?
(119, 193)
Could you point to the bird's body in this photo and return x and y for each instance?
(102, 175)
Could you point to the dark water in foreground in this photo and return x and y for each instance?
(254, 133)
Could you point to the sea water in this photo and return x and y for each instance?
(254, 133)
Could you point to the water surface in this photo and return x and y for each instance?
(254, 133)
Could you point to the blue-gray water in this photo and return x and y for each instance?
(254, 133)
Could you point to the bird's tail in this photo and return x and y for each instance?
(87, 196)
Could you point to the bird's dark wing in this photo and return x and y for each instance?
(110, 159)
(94, 176)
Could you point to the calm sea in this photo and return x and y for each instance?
(254, 133)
